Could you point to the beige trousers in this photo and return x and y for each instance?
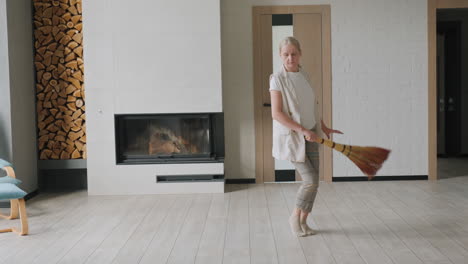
(309, 172)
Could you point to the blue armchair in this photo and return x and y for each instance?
(9, 191)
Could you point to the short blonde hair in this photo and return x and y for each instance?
(290, 40)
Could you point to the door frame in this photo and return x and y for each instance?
(432, 6)
(325, 12)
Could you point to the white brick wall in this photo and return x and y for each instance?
(379, 67)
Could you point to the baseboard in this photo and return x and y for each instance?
(239, 181)
(381, 178)
(190, 178)
(285, 175)
(31, 195)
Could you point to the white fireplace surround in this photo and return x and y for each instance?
(166, 59)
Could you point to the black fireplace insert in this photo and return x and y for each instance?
(169, 138)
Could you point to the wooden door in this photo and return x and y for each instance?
(311, 26)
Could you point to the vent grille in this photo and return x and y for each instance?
(190, 178)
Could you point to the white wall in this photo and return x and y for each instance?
(146, 57)
(379, 71)
(17, 117)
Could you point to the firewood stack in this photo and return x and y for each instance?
(59, 88)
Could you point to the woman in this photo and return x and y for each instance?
(293, 107)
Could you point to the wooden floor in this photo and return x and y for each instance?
(359, 222)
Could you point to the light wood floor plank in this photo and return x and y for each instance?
(346, 213)
(323, 220)
(389, 241)
(109, 248)
(211, 248)
(401, 222)
(288, 246)
(413, 240)
(66, 239)
(262, 242)
(447, 246)
(105, 221)
(160, 248)
(237, 242)
(315, 248)
(136, 245)
(451, 226)
(54, 219)
(186, 246)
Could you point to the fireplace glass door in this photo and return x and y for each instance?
(163, 138)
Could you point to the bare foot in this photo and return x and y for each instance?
(306, 229)
(295, 226)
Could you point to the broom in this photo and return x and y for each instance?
(368, 159)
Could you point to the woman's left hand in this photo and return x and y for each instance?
(327, 131)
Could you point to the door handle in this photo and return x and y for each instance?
(451, 105)
(267, 105)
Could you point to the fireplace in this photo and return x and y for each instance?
(169, 138)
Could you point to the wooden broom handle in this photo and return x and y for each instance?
(345, 149)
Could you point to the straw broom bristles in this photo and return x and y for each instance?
(368, 159)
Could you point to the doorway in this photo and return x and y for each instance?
(311, 26)
(452, 94)
(433, 6)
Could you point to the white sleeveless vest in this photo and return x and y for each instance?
(288, 144)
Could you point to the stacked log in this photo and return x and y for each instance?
(59, 85)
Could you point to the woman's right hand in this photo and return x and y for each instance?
(310, 135)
